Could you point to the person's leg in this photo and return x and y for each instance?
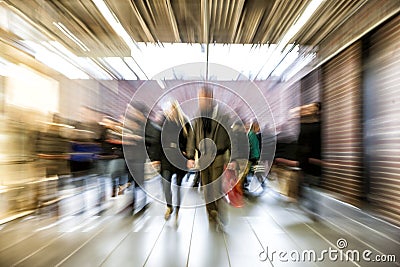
(196, 179)
(166, 181)
(101, 172)
(216, 178)
(137, 172)
(179, 178)
(205, 176)
(246, 172)
(130, 177)
(115, 172)
(216, 172)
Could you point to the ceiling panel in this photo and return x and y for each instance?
(226, 21)
(83, 29)
(81, 18)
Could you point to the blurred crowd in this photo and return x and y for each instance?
(117, 155)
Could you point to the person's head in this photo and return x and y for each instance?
(109, 121)
(205, 99)
(170, 109)
(238, 126)
(256, 126)
(141, 107)
(138, 110)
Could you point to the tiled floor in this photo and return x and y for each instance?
(265, 226)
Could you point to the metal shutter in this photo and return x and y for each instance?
(382, 119)
(310, 88)
(341, 124)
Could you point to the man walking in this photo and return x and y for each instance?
(211, 140)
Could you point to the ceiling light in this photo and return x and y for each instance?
(71, 36)
(299, 65)
(132, 64)
(121, 68)
(277, 55)
(114, 23)
(156, 59)
(4, 67)
(274, 61)
(90, 66)
(161, 84)
(288, 60)
(244, 59)
(83, 62)
(305, 16)
(55, 61)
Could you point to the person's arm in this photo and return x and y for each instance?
(153, 141)
(254, 146)
(233, 145)
(190, 146)
(183, 137)
(315, 161)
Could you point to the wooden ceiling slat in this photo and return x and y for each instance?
(88, 36)
(327, 19)
(277, 18)
(335, 15)
(238, 33)
(153, 18)
(289, 16)
(173, 22)
(236, 20)
(205, 20)
(227, 8)
(262, 27)
(213, 19)
(142, 22)
(220, 12)
(233, 5)
(251, 21)
(162, 20)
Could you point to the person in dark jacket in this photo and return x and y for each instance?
(241, 149)
(111, 154)
(173, 139)
(136, 142)
(211, 140)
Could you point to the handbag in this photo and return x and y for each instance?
(232, 188)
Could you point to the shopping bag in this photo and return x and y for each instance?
(233, 188)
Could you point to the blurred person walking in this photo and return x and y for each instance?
(241, 149)
(111, 155)
(211, 140)
(175, 131)
(254, 153)
(142, 134)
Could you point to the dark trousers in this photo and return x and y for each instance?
(117, 171)
(211, 178)
(101, 171)
(196, 179)
(137, 172)
(167, 178)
